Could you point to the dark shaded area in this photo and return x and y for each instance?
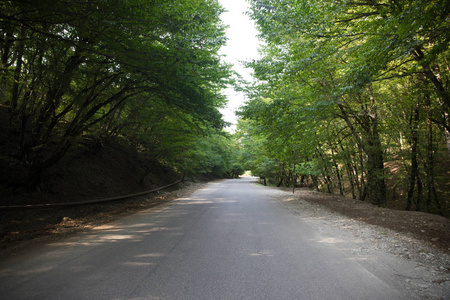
(94, 169)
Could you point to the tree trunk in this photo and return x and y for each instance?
(418, 55)
(414, 165)
(17, 71)
(361, 182)
(376, 186)
(351, 179)
(329, 183)
(8, 41)
(418, 202)
(440, 89)
(430, 159)
(280, 182)
(352, 173)
(447, 137)
(338, 174)
(315, 182)
(430, 186)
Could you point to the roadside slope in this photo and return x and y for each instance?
(96, 169)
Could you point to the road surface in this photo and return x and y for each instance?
(229, 240)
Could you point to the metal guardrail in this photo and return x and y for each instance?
(72, 204)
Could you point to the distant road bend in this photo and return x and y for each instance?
(230, 240)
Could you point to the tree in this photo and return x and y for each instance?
(70, 67)
(326, 70)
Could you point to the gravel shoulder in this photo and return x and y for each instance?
(371, 236)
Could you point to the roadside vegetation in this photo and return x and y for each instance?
(353, 95)
(106, 98)
(76, 76)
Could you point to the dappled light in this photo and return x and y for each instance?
(113, 100)
(137, 264)
(150, 255)
(199, 245)
(329, 240)
(188, 201)
(26, 272)
(262, 253)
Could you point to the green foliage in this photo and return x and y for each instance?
(148, 70)
(347, 89)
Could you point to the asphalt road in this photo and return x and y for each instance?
(230, 240)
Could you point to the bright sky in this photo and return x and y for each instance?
(242, 45)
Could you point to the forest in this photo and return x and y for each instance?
(352, 98)
(74, 73)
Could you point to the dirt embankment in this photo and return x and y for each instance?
(96, 170)
(24, 228)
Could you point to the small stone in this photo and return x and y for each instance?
(423, 286)
(435, 239)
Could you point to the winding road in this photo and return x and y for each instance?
(229, 240)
